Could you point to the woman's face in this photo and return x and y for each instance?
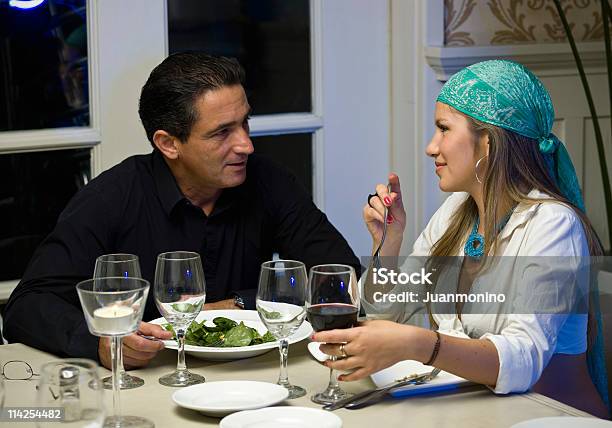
(456, 150)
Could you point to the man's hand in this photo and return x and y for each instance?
(137, 351)
(223, 304)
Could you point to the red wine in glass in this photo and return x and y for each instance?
(330, 316)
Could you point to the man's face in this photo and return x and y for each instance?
(216, 152)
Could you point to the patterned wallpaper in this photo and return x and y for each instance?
(504, 22)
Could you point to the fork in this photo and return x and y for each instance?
(376, 257)
(378, 394)
(365, 395)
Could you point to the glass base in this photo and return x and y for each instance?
(294, 391)
(127, 421)
(181, 378)
(126, 381)
(330, 395)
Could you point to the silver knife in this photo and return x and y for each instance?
(383, 389)
(375, 397)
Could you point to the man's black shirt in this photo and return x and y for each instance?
(136, 207)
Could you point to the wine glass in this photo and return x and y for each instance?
(281, 305)
(180, 292)
(74, 386)
(333, 302)
(114, 265)
(113, 308)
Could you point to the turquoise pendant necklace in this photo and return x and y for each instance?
(475, 245)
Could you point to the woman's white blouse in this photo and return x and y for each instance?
(524, 342)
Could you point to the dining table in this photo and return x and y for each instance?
(471, 406)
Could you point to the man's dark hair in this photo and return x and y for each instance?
(168, 97)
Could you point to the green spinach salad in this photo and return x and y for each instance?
(225, 333)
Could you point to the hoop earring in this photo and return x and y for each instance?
(476, 168)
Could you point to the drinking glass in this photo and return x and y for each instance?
(281, 305)
(114, 265)
(113, 308)
(74, 386)
(333, 302)
(180, 292)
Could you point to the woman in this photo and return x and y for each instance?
(515, 193)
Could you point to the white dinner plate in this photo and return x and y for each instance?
(282, 417)
(251, 319)
(443, 382)
(225, 397)
(564, 422)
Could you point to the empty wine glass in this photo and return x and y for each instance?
(73, 386)
(281, 305)
(180, 292)
(115, 265)
(333, 302)
(113, 308)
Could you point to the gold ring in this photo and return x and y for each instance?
(342, 351)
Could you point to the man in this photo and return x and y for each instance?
(201, 189)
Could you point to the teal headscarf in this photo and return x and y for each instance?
(506, 94)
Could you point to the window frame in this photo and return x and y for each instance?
(124, 47)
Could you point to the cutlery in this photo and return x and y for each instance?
(377, 395)
(376, 257)
(365, 395)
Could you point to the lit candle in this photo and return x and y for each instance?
(114, 320)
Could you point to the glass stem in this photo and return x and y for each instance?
(115, 347)
(120, 367)
(283, 348)
(180, 365)
(333, 381)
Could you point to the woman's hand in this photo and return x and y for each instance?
(396, 217)
(373, 346)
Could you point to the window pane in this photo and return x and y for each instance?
(270, 38)
(43, 66)
(293, 151)
(34, 189)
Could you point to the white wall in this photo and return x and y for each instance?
(130, 42)
(356, 111)
(414, 87)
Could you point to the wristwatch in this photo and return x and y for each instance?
(238, 301)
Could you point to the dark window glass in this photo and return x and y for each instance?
(293, 151)
(34, 189)
(43, 66)
(270, 38)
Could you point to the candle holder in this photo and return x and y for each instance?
(113, 308)
(125, 265)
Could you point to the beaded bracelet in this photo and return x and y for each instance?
(434, 353)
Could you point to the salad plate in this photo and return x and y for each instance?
(225, 397)
(250, 319)
(564, 422)
(282, 417)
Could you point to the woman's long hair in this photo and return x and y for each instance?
(515, 166)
